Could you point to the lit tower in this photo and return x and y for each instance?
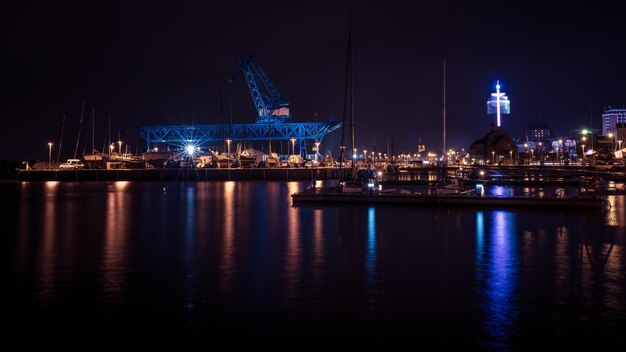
(498, 103)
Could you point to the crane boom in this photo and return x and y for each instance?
(268, 100)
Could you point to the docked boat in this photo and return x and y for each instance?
(272, 160)
(223, 160)
(247, 157)
(447, 186)
(295, 160)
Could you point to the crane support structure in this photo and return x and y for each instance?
(205, 136)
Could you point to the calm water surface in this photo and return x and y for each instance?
(185, 263)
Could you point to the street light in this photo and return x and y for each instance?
(228, 140)
(583, 146)
(511, 152)
(365, 155)
(493, 155)
(557, 155)
(317, 151)
(354, 154)
(49, 155)
(111, 147)
(120, 144)
(612, 140)
(293, 145)
(526, 151)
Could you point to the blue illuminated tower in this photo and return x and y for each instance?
(498, 103)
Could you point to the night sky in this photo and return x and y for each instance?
(165, 63)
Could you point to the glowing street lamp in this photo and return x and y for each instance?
(317, 150)
(120, 144)
(365, 155)
(583, 146)
(228, 140)
(112, 147)
(511, 152)
(493, 155)
(49, 155)
(557, 155)
(354, 154)
(293, 145)
(610, 135)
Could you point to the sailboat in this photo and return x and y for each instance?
(354, 184)
(95, 159)
(246, 155)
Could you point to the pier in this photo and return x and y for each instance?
(328, 196)
(192, 174)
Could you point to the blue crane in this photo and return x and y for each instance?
(269, 102)
(271, 125)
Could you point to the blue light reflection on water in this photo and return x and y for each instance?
(371, 245)
(238, 257)
(497, 276)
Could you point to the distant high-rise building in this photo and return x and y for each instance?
(612, 117)
(538, 132)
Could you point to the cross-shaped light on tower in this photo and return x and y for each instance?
(498, 95)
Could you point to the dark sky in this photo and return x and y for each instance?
(165, 62)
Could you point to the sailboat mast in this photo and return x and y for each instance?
(80, 127)
(443, 111)
(351, 77)
(93, 129)
(109, 134)
(61, 140)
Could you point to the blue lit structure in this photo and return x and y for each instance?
(498, 103)
(206, 136)
(268, 100)
(272, 112)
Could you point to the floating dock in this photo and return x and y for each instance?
(328, 196)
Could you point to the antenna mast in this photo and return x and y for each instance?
(443, 110)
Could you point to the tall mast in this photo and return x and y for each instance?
(61, 140)
(93, 129)
(351, 78)
(80, 127)
(108, 145)
(443, 111)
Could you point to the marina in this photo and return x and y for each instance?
(171, 174)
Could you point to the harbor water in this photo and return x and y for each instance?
(184, 263)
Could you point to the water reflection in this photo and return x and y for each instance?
(616, 214)
(371, 247)
(293, 263)
(189, 245)
(114, 259)
(318, 246)
(48, 254)
(497, 271)
(227, 265)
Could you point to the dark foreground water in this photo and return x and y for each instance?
(194, 262)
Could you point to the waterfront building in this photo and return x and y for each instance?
(538, 132)
(612, 117)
